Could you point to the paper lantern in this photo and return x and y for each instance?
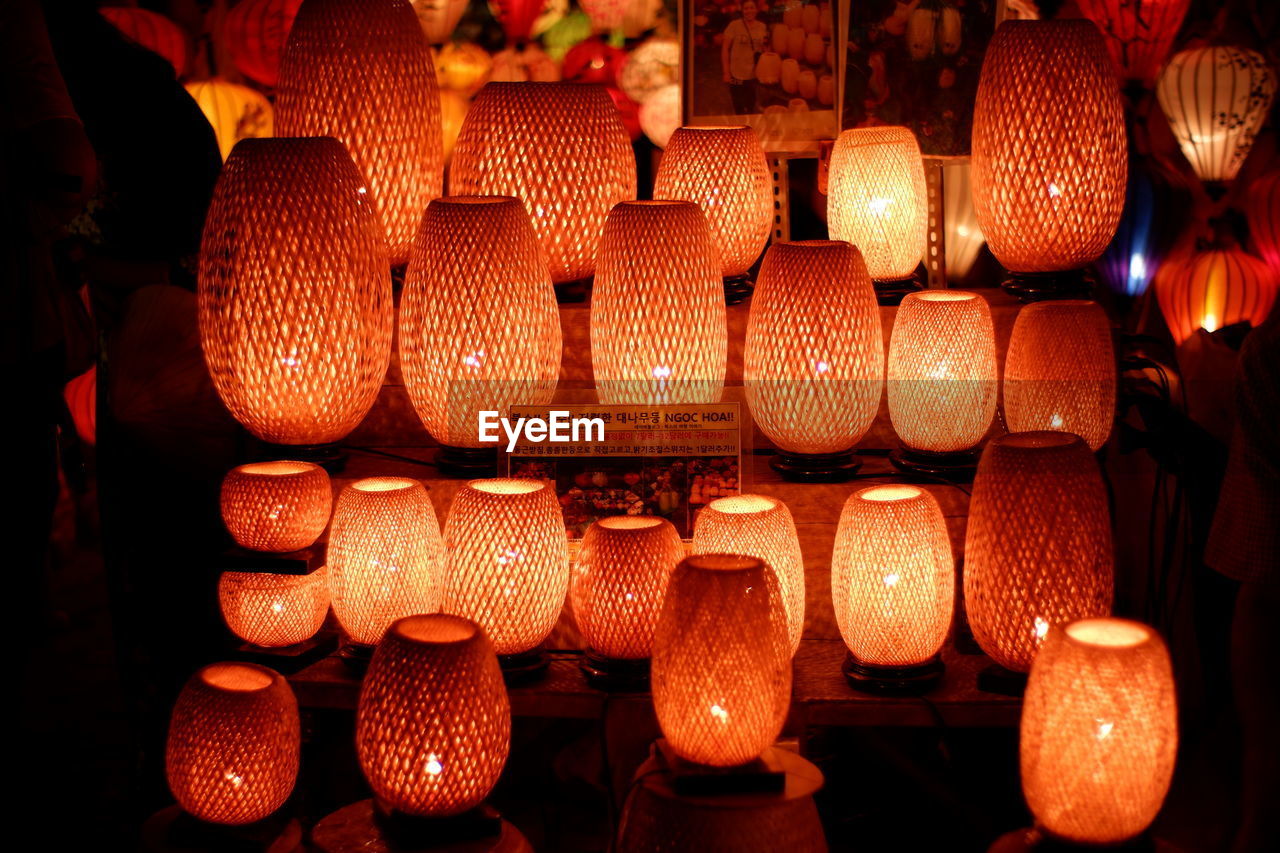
(1215, 99)
(1099, 731)
(559, 147)
(272, 610)
(517, 17)
(1154, 212)
(234, 112)
(650, 67)
(658, 323)
(151, 30)
(1139, 33)
(362, 73)
(276, 506)
(453, 111)
(605, 14)
(962, 237)
(462, 68)
(524, 64)
(255, 32)
(1262, 207)
(439, 18)
(289, 217)
(385, 556)
(81, 396)
(1038, 543)
(234, 737)
(762, 527)
(1215, 288)
(721, 662)
(660, 114)
(1060, 371)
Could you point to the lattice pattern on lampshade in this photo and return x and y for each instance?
(1214, 288)
(721, 671)
(507, 560)
(659, 332)
(1215, 99)
(433, 726)
(234, 112)
(276, 506)
(294, 291)
(1038, 544)
(1262, 207)
(386, 558)
(1060, 371)
(234, 737)
(1139, 33)
(151, 30)
(439, 18)
(941, 376)
(1099, 731)
(1049, 148)
(723, 170)
(619, 580)
(877, 198)
(255, 32)
(272, 610)
(814, 359)
(892, 576)
(963, 238)
(362, 73)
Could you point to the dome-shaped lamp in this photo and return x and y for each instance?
(1262, 207)
(274, 610)
(1139, 33)
(1215, 288)
(278, 506)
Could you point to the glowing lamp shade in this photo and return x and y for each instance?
(559, 147)
(362, 73)
(1049, 148)
(294, 293)
(877, 199)
(1215, 288)
(234, 112)
(433, 726)
(1215, 99)
(942, 370)
(1139, 33)
(508, 561)
(272, 610)
(1060, 371)
(1262, 207)
(1038, 545)
(151, 30)
(479, 329)
(721, 663)
(276, 506)
(234, 738)
(385, 555)
(255, 32)
(723, 170)
(658, 280)
(1099, 731)
(963, 238)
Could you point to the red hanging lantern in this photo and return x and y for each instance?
(1262, 207)
(1138, 33)
(517, 17)
(1215, 288)
(255, 32)
(151, 30)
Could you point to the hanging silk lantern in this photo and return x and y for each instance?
(255, 32)
(235, 112)
(593, 61)
(1215, 288)
(462, 68)
(650, 67)
(606, 14)
(963, 236)
(660, 114)
(1153, 216)
(439, 18)
(153, 31)
(517, 18)
(1262, 207)
(81, 396)
(1139, 33)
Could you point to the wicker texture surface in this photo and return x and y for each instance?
(272, 610)
(1262, 207)
(1139, 33)
(277, 506)
(1214, 288)
(255, 32)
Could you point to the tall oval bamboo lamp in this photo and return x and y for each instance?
(278, 506)
(274, 610)
(1215, 288)
(1139, 33)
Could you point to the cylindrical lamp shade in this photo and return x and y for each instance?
(1099, 731)
(1139, 33)
(276, 506)
(1215, 99)
(892, 576)
(1215, 288)
(1049, 148)
(294, 292)
(1060, 371)
(433, 726)
(659, 332)
(508, 561)
(479, 328)
(963, 236)
(255, 32)
(814, 358)
(942, 375)
(362, 73)
(1262, 207)
(877, 199)
(1038, 545)
(619, 580)
(724, 171)
(721, 664)
(234, 739)
(272, 610)
(559, 147)
(385, 556)
(234, 112)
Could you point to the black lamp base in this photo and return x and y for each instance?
(331, 457)
(467, 463)
(958, 467)
(815, 467)
(1043, 286)
(738, 288)
(615, 675)
(370, 827)
(893, 680)
(172, 830)
(410, 831)
(290, 660)
(524, 667)
(1034, 839)
(996, 679)
(574, 292)
(356, 657)
(890, 291)
(763, 775)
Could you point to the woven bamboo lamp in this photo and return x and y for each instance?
(724, 171)
(878, 201)
(289, 216)
(1049, 153)
(362, 73)
(893, 588)
(274, 610)
(963, 238)
(1262, 207)
(1060, 371)
(507, 567)
(234, 112)
(941, 381)
(559, 147)
(479, 327)
(255, 32)
(659, 332)
(276, 506)
(616, 589)
(1139, 33)
(1215, 288)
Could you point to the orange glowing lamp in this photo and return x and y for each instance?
(274, 610)
(276, 506)
(1212, 289)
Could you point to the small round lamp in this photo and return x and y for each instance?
(277, 506)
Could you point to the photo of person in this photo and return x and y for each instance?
(743, 42)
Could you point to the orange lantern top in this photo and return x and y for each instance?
(1139, 33)
(255, 32)
(276, 506)
(153, 31)
(1214, 288)
(271, 610)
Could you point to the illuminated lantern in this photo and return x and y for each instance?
(453, 111)
(151, 30)
(462, 68)
(660, 114)
(528, 63)
(893, 587)
(276, 506)
(81, 396)
(1215, 288)
(1153, 215)
(658, 323)
(362, 73)
(650, 67)
(963, 236)
(255, 32)
(605, 14)
(562, 149)
(814, 358)
(1215, 99)
(941, 380)
(593, 61)
(385, 556)
(1038, 543)
(289, 216)
(517, 18)
(878, 201)
(234, 737)
(1049, 152)
(1262, 206)
(1139, 33)
(235, 112)
(1060, 371)
(1099, 731)
(439, 18)
(274, 610)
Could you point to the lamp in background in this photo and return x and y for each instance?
(1262, 207)
(234, 112)
(153, 31)
(272, 610)
(1139, 33)
(1214, 288)
(277, 506)
(255, 32)
(439, 18)
(962, 235)
(1154, 210)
